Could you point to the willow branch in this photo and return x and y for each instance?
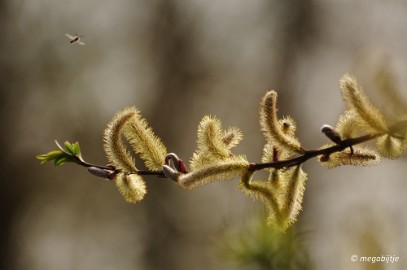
(313, 153)
(276, 164)
(308, 154)
(114, 170)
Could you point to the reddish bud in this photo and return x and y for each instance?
(324, 158)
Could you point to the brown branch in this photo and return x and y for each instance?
(340, 146)
(313, 153)
(157, 173)
(277, 164)
(260, 166)
(114, 171)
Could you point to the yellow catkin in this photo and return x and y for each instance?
(271, 148)
(263, 192)
(386, 84)
(115, 150)
(294, 193)
(271, 127)
(213, 144)
(391, 147)
(361, 157)
(131, 187)
(222, 170)
(288, 125)
(144, 142)
(232, 137)
(282, 196)
(347, 125)
(357, 101)
(210, 137)
(273, 152)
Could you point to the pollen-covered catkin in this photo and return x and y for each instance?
(232, 137)
(355, 99)
(145, 143)
(114, 147)
(222, 170)
(347, 125)
(262, 191)
(213, 144)
(294, 193)
(359, 156)
(391, 147)
(134, 128)
(271, 127)
(131, 187)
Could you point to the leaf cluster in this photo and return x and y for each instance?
(71, 153)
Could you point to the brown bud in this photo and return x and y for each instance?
(324, 158)
(331, 133)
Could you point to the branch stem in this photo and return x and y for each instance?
(276, 164)
(108, 168)
(313, 153)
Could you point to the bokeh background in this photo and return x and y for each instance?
(177, 60)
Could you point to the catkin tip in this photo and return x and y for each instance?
(114, 147)
(355, 99)
(279, 132)
(131, 187)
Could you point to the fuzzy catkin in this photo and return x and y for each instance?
(391, 147)
(131, 187)
(356, 100)
(361, 156)
(295, 188)
(223, 170)
(213, 144)
(145, 143)
(134, 128)
(271, 127)
(115, 150)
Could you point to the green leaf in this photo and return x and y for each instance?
(73, 148)
(71, 153)
(50, 156)
(60, 161)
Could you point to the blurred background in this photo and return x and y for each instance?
(177, 61)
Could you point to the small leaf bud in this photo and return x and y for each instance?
(173, 161)
(324, 158)
(99, 172)
(170, 173)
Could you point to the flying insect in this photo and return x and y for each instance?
(75, 39)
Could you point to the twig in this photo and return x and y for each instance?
(308, 154)
(313, 153)
(114, 170)
(260, 166)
